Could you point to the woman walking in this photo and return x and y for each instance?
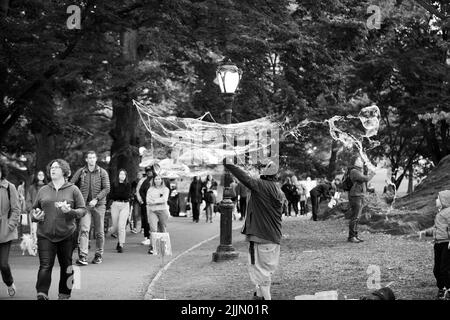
(9, 220)
(209, 189)
(55, 209)
(38, 182)
(157, 207)
(120, 196)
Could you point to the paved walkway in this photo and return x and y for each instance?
(121, 276)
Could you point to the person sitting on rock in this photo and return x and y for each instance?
(441, 234)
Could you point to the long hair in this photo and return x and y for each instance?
(126, 177)
(35, 178)
(162, 181)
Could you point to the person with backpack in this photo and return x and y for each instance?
(9, 220)
(441, 233)
(356, 194)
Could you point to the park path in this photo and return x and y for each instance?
(123, 276)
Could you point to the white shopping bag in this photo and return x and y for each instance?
(161, 243)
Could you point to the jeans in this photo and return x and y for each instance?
(119, 216)
(441, 268)
(315, 206)
(209, 211)
(47, 252)
(195, 210)
(157, 220)
(294, 204)
(243, 206)
(4, 264)
(144, 221)
(98, 215)
(356, 205)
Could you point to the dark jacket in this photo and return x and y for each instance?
(359, 187)
(290, 191)
(324, 190)
(8, 205)
(195, 192)
(57, 225)
(100, 183)
(264, 208)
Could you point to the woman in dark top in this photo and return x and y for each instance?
(209, 186)
(120, 196)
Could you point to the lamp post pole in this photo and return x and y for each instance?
(225, 250)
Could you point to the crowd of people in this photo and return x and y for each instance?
(64, 209)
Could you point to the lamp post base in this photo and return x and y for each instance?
(224, 253)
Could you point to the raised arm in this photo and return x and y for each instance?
(243, 176)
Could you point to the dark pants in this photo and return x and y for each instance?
(243, 206)
(442, 265)
(303, 207)
(294, 204)
(4, 264)
(144, 221)
(47, 251)
(315, 205)
(196, 211)
(356, 205)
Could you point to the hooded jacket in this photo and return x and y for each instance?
(440, 231)
(8, 226)
(264, 209)
(58, 225)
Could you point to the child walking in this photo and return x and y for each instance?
(441, 233)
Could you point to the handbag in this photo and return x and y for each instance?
(188, 206)
(216, 207)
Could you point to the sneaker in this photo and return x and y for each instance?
(12, 290)
(82, 261)
(353, 240)
(256, 297)
(97, 259)
(133, 231)
(150, 251)
(146, 242)
(114, 235)
(63, 296)
(446, 295)
(360, 240)
(42, 296)
(118, 245)
(119, 249)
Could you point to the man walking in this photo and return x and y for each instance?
(262, 227)
(93, 182)
(356, 197)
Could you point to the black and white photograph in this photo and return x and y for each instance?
(223, 153)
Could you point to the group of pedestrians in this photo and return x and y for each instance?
(62, 210)
(200, 191)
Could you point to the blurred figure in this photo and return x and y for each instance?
(39, 181)
(141, 194)
(209, 189)
(295, 195)
(242, 193)
(288, 190)
(195, 197)
(320, 192)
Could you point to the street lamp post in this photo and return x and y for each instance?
(228, 77)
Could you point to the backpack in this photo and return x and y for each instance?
(347, 183)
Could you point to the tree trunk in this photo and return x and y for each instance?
(332, 164)
(45, 148)
(125, 146)
(432, 142)
(4, 7)
(410, 181)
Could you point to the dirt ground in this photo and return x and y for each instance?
(315, 256)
